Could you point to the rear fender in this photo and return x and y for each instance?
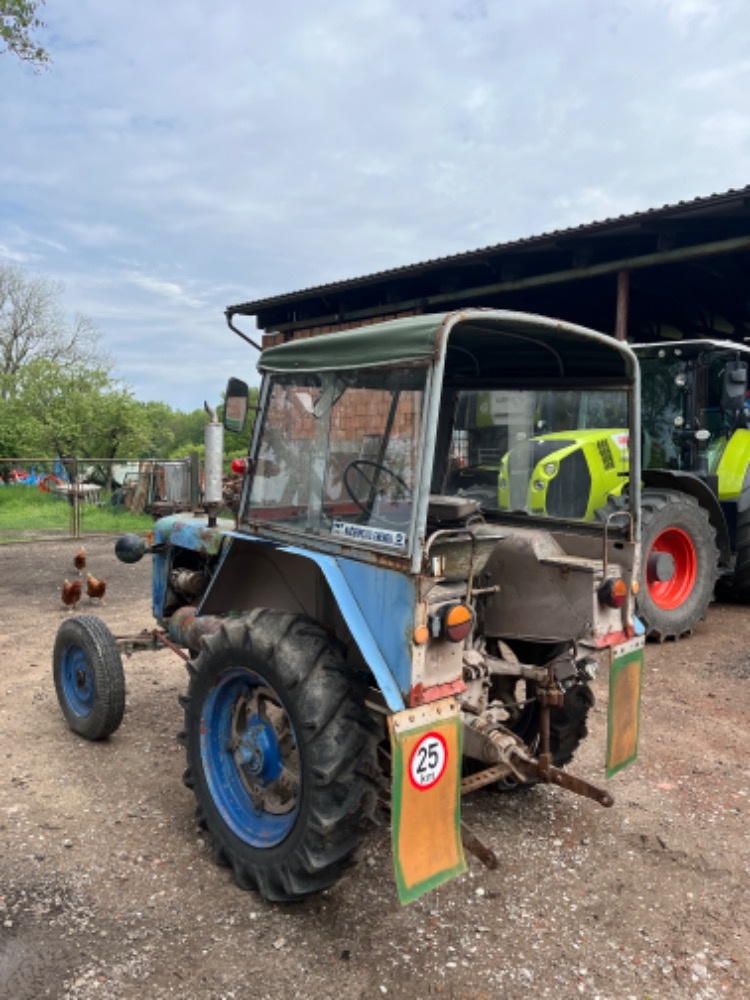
(375, 604)
(732, 470)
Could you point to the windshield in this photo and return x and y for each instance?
(337, 454)
(554, 454)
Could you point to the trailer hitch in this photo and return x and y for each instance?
(555, 776)
(507, 756)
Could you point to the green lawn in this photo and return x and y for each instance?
(26, 512)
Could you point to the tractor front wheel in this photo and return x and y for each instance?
(280, 752)
(679, 564)
(88, 675)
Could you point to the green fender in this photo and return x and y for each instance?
(732, 469)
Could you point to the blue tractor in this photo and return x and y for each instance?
(369, 626)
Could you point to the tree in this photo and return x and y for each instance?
(18, 21)
(76, 410)
(33, 326)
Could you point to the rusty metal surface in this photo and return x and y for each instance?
(187, 628)
(472, 782)
(478, 848)
(147, 641)
(422, 694)
(571, 782)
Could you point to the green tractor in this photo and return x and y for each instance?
(695, 498)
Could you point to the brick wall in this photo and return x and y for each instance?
(273, 339)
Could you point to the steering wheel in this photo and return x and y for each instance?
(360, 466)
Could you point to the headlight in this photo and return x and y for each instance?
(550, 468)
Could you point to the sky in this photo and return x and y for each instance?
(178, 157)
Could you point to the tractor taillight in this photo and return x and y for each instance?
(613, 592)
(457, 621)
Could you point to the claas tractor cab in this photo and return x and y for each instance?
(572, 458)
(364, 629)
(696, 478)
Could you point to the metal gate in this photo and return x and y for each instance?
(70, 497)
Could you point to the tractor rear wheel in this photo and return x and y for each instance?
(280, 752)
(679, 564)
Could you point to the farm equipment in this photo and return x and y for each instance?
(695, 496)
(371, 627)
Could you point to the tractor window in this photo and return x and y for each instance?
(337, 455)
(553, 454)
(685, 424)
(664, 407)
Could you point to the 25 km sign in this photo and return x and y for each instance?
(427, 761)
(426, 796)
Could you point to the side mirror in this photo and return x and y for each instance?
(734, 385)
(235, 405)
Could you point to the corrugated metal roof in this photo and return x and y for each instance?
(702, 204)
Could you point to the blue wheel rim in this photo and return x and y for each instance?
(250, 758)
(78, 683)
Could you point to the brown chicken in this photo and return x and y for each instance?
(79, 560)
(71, 593)
(95, 589)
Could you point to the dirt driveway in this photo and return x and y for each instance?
(107, 889)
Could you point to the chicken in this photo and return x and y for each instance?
(95, 589)
(71, 593)
(79, 560)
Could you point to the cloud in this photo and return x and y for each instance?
(171, 163)
(169, 290)
(15, 256)
(91, 234)
(686, 13)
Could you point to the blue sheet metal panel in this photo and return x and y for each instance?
(386, 599)
(378, 606)
(160, 570)
(159, 574)
(185, 532)
(193, 533)
(377, 603)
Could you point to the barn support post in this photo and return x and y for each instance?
(623, 301)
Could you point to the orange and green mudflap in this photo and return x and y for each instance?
(625, 680)
(426, 797)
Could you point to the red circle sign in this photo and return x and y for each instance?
(427, 762)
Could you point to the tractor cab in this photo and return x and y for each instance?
(693, 400)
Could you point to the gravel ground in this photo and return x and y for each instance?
(108, 890)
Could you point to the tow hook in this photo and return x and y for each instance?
(554, 776)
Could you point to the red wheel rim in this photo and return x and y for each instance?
(669, 594)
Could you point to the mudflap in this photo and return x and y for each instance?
(426, 797)
(623, 724)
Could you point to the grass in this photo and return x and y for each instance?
(26, 512)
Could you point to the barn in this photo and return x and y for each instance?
(679, 271)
